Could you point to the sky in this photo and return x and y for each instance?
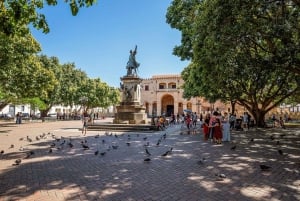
(99, 38)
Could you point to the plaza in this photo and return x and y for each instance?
(194, 170)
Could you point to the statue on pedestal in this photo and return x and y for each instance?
(132, 64)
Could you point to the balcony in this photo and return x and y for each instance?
(168, 90)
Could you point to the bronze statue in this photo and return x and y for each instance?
(132, 64)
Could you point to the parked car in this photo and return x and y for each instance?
(36, 116)
(6, 116)
(52, 115)
(25, 116)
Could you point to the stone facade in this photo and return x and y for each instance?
(162, 95)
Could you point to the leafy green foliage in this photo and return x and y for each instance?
(244, 52)
(16, 15)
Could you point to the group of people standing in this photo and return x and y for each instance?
(216, 127)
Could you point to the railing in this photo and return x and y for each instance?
(167, 90)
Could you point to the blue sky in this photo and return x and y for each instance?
(99, 38)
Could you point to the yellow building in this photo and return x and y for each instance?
(162, 95)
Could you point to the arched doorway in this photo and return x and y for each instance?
(167, 105)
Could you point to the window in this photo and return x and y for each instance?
(22, 108)
(161, 86)
(173, 86)
(146, 87)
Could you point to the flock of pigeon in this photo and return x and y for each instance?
(108, 142)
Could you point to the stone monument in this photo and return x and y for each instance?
(131, 110)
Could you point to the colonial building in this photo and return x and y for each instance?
(163, 95)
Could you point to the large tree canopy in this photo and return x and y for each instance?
(244, 51)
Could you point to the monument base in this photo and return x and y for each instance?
(130, 113)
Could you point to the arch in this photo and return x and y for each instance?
(171, 85)
(167, 105)
(162, 85)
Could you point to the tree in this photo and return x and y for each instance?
(244, 52)
(21, 75)
(16, 15)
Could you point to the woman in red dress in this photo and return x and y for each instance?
(218, 131)
(206, 128)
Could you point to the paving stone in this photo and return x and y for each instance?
(70, 174)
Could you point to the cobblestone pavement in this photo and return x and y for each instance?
(192, 171)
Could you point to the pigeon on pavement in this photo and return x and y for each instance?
(264, 167)
(147, 152)
(233, 148)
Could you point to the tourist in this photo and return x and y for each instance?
(245, 120)
(218, 132)
(85, 120)
(205, 127)
(194, 119)
(226, 128)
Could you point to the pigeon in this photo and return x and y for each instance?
(70, 145)
(2, 152)
(147, 144)
(37, 138)
(102, 153)
(280, 152)
(233, 148)
(103, 141)
(18, 162)
(96, 153)
(165, 154)
(61, 144)
(85, 147)
(128, 143)
(171, 149)
(252, 140)
(29, 139)
(21, 139)
(115, 146)
(277, 143)
(52, 145)
(147, 152)
(264, 167)
(165, 135)
(116, 136)
(12, 146)
(50, 150)
(97, 136)
(147, 159)
(272, 137)
(145, 138)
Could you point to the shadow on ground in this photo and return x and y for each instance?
(75, 173)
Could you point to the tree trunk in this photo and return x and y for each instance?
(232, 103)
(259, 117)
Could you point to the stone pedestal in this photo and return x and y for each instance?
(130, 110)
